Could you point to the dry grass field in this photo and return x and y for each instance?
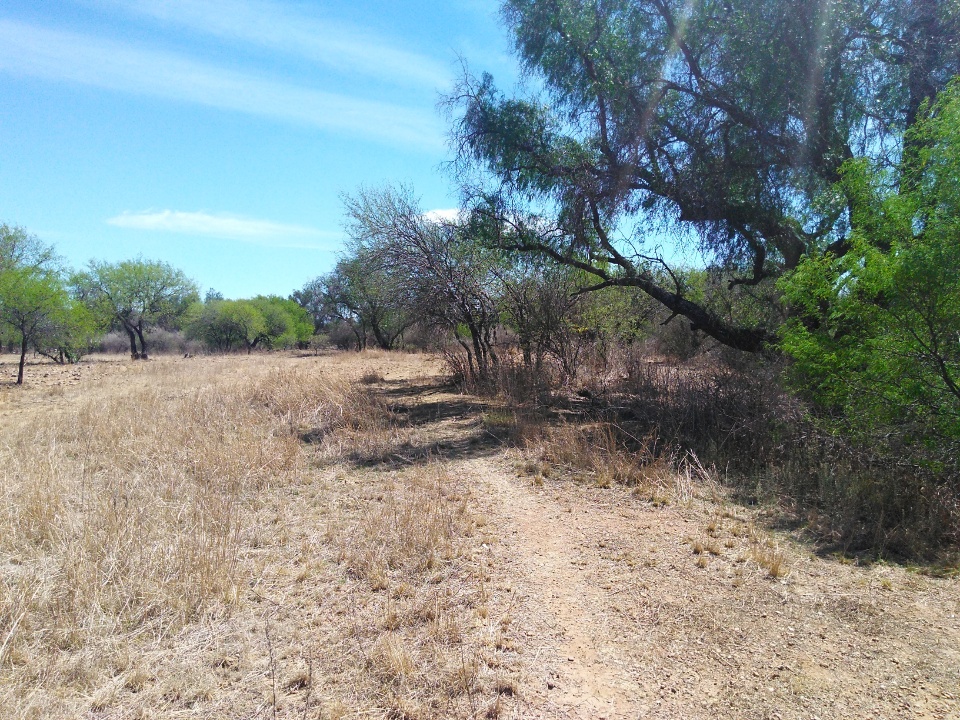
(276, 536)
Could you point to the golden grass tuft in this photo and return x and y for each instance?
(771, 558)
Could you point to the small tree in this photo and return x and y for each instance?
(286, 324)
(135, 295)
(31, 303)
(443, 274)
(224, 325)
(68, 336)
(365, 294)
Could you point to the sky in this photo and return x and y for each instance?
(219, 135)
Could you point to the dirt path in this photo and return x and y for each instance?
(623, 608)
(586, 668)
(618, 619)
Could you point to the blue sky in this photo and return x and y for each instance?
(218, 135)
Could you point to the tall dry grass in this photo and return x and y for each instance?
(122, 517)
(152, 521)
(730, 417)
(425, 640)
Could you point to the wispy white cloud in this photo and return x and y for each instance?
(443, 215)
(292, 30)
(64, 56)
(226, 226)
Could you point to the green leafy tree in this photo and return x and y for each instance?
(32, 301)
(312, 298)
(285, 323)
(19, 249)
(721, 125)
(876, 341)
(35, 308)
(224, 325)
(69, 335)
(135, 295)
(301, 324)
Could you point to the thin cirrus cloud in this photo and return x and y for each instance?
(290, 30)
(226, 226)
(65, 56)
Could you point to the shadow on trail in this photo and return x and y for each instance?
(433, 422)
(429, 420)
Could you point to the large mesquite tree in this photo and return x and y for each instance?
(720, 123)
(136, 295)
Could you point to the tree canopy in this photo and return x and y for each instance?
(720, 124)
(876, 329)
(135, 295)
(32, 301)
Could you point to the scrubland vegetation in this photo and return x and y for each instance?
(563, 471)
(153, 519)
(347, 535)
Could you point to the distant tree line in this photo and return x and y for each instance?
(406, 279)
(49, 309)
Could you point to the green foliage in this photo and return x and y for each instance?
(721, 124)
(70, 334)
(32, 302)
(36, 310)
(286, 324)
(19, 249)
(264, 321)
(136, 295)
(876, 342)
(225, 325)
(362, 293)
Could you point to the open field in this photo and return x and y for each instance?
(343, 536)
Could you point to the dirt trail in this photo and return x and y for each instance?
(587, 665)
(618, 619)
(624, 608)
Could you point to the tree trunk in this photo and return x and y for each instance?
(143, 343)
(23, 359)
(379, 336)
(471, 370)
(134, 355)
(477, 339)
